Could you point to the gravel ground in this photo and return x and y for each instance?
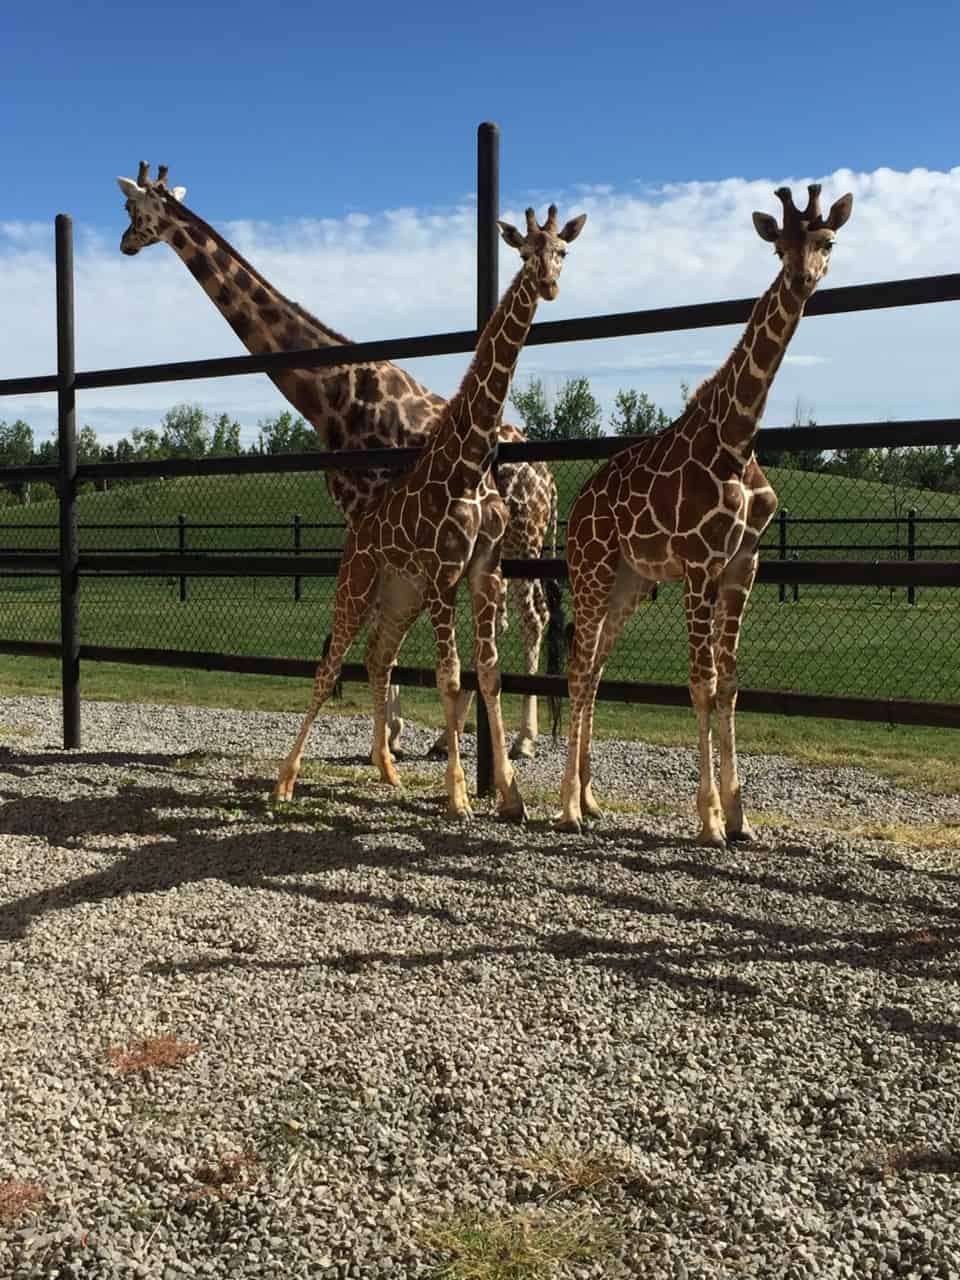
(394, 1011)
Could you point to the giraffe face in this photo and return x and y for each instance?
(805, 241)
(150, 216)
(543, 248)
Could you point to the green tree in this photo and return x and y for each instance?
(226, 438)
(185, 432)
(574, 415)
(531, 404)
(16, 450)
(635, 414)
(286, 434)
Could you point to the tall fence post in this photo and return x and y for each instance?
(488, 210)
(782, 521)
(912, 549)
(67, 484)
(297, 548)
(182, 548)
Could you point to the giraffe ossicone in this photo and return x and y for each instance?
(690, 504)
(441, 523)
(366, 406)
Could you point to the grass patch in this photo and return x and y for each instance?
(522, 1246)
(18, 1198)
(890, 1162)
(578, 1172)
(151, 1054)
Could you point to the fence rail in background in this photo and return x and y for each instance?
(72, 560)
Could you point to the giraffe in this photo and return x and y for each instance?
(443, 521)
(363, 406)
(691, 504)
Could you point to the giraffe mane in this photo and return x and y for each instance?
(224, 243)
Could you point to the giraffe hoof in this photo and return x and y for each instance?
(463, 814)
(711, 839)
(523, 749)
(513, 813)
(743, 835)
(439, 749)
(569, 826)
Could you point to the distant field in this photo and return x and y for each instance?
(834, 640)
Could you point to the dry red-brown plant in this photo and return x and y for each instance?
(18, 1198)
(225, 1177)
(151, 1053)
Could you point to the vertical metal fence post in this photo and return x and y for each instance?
(782, 518)
(182, 548)
(67, 484)
(488, 289)
(297, 547)
(912, 549)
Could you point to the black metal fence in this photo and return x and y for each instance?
(860, 642)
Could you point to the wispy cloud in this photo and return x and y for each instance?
(404, 271)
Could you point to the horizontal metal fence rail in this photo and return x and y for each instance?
(920, 291)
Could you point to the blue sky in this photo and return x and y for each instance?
(277, 117)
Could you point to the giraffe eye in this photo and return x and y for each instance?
(827, 246)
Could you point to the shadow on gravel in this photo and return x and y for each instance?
(185, 836)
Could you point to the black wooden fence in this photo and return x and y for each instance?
(71, 561)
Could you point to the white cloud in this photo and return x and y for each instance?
(405, 271)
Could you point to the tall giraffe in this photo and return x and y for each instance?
(691, 503)
(443, 521)
(361, 406)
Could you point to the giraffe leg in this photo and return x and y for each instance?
(400, 603)
(356, 584)
(394, 714)
(699, 599)
(528, 603)
(438, 749)
(628, 591)
(734, 593)
(443, 609)
(486, 591)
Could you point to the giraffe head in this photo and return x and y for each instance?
(804, 242)
(149, 205)
(543, 248)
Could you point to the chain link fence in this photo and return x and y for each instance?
(880, 642)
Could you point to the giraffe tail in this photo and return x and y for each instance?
(556, 629)
(338, 687)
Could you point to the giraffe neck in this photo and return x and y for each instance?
(468, 433)
(260, 315)
(736, 395)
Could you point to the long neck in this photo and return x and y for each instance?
(260, 315)
(470, 428)
(736, 395)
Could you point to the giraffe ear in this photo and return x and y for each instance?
(510, 234)
(178, 193)
(131, 190)
(766, 225)
(573, 228)
(840, 211)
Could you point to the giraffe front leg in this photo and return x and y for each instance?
(438, 749)
(734, 594)
(700, 593)
(528, 603)
(582, 680)
(443, 616)
(400, 602)
(486, 588)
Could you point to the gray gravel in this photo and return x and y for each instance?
(392, 1010)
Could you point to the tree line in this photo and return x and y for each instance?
(574, 412)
